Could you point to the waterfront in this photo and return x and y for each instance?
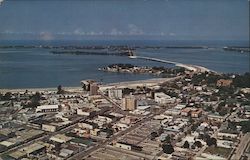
(37, 67)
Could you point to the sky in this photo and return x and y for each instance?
(124, 19)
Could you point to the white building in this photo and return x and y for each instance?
(162, 98)
(227, 134)
(121, 126)
(47, 108)
(115, 93)
(123, 146)
(101, 120)
(173, 112)
(85, 125)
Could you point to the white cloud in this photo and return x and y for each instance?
(172, 34)
(134, 30)
(64, 33)
(46, 36)
(8, 32)
(14, 32)
(78, 32)
(115, 32)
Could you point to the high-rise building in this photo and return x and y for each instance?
(129, 103)
(93, 89)
(115, 93)
(86, 84)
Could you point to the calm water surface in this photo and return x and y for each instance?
(28, 68)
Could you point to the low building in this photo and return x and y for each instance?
(186, 112)
(49, 128)
(120, 126)
(225, 144)
(34, 148)
(94, 132)
(47, 108)
(60, 138)
(123, 146)
(224, 82)
(86, 111)
(54, 125)
(128, 146)
(197, 113)
(227, 134)
(162, 98)
(65, 153)
(215, 117)
(172, 112)
(85, 125)
(245, 90)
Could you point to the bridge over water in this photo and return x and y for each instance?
(194, 68)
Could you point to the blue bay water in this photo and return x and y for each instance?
(37, 67)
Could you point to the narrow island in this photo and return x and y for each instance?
(156, 71)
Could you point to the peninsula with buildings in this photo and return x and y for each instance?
(157, 71)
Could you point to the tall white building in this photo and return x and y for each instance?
(115, 93)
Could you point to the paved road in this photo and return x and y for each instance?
(242, 146)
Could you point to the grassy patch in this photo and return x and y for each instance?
(219, 151)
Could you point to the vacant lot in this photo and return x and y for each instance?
(219, 151)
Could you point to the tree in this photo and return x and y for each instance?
(242, 80)
(223, 112)
(34, 100)
(167, 148)
(167, 139)
(194, 126)
(127, 91)
(153, 135)
(211, 142)
(186, 144)
(37, 96)
(209, 108)
(1, 96)
(193, 146)
(7, 96)
(60, 90)
(245, 126)
(198, 144)
(206, 137)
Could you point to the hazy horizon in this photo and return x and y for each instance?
(124, 20)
